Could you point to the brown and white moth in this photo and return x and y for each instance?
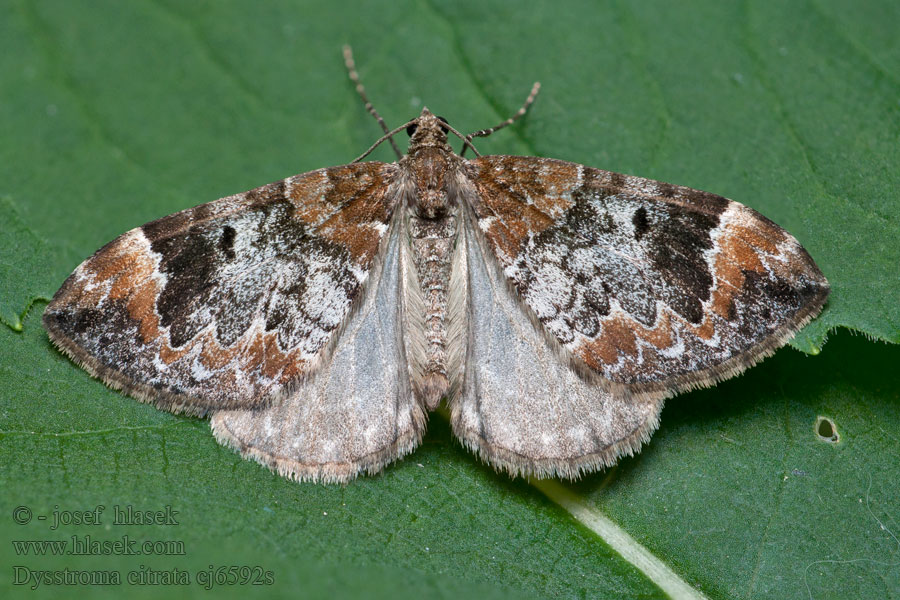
(553, 306)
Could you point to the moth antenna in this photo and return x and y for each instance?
(354, 77)
(519, 114)
(467, 142)
(387, 136)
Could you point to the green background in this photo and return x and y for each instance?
(115, 113)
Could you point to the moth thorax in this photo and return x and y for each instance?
(432, 172)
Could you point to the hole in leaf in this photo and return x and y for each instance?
(826, 430)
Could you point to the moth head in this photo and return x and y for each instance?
(427, 130)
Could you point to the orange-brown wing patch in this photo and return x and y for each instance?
(514, 200)
(352, 210)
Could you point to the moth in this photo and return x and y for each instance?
(552, 306)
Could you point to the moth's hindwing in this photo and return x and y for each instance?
(355, 414)
(644, 286)
(522, 408)
(230, 303)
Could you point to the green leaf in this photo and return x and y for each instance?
(117, 113)
(25, 266)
